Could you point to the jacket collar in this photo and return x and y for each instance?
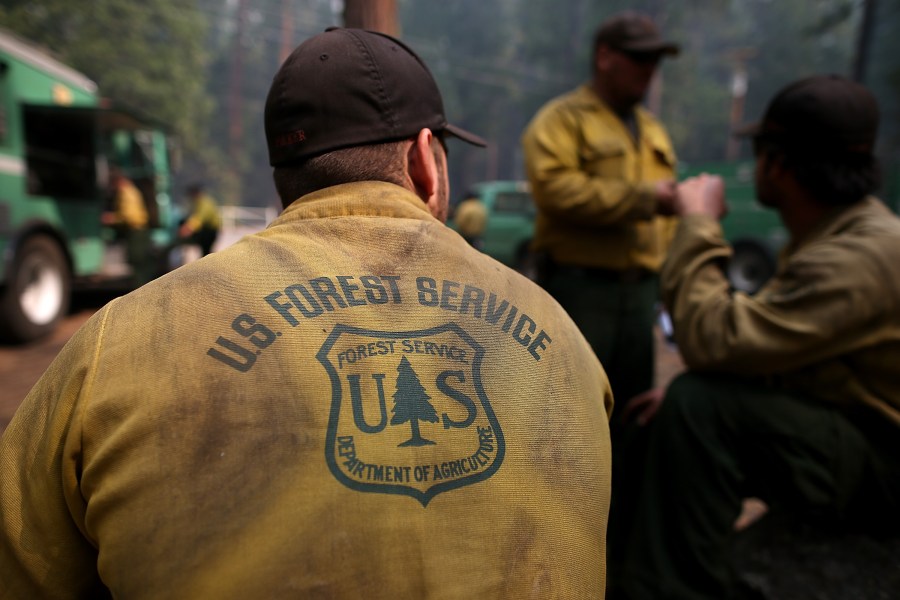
(839, 219)
(586, 95)
(360, 199)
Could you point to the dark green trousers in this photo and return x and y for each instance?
(140, 255)
(616, 317)
(716, 441)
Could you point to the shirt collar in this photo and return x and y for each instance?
(837, 220)
(360, 199)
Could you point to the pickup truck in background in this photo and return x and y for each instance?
(754, 231)
(510, 222)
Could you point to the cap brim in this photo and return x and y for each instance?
(465, 136)
(668, 48)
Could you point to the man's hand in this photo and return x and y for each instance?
(644, 406)
(701, 195)
(666, 192)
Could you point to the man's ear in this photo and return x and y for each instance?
(422, 167)
(603, 57)
(774, 163)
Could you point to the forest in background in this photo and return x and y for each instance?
(204, 66)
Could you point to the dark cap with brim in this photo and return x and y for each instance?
(351, 87)
(824, 113)
(631, 31)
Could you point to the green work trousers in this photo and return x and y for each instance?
(718, 440)
(616, 316)
(140, 255)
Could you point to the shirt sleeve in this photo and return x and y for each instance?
(819, 305)
(45, 551)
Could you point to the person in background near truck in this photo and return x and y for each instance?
(792, 394)
(130, 219)
(204, 222)
(602, 169)
(351, 403)
(471, 218)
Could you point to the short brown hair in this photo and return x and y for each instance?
(373, 162)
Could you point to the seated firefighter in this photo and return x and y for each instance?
(793, 394)
(350, 403)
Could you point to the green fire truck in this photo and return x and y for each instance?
(58, 139)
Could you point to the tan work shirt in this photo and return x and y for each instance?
(827, 324)
(593, 183)
(352, 403)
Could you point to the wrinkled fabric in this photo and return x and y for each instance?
(827, 324)
(594, 183)
(350, 403)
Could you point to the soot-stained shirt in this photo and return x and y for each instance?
(351, 402)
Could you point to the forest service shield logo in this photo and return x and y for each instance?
(408, 411)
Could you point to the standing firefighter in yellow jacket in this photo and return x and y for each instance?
(204, 222)
(351, 403)
(602, 171)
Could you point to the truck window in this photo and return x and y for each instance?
(514, 203)
(59, 152)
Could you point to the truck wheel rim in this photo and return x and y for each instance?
(747, 273)
(42, 294)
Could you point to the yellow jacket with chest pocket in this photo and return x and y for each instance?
(594, 186)
(351, 402)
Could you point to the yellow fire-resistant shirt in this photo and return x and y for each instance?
(204, 214)
(471, 217)
(352, 403)
(130, 209)
(593, 184)
(827, 324)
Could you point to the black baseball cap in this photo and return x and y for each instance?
(820, 114)
(631, 31)
(351, 87)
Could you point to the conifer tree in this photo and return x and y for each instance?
(411, 404)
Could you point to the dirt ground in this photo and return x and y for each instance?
(22, 366)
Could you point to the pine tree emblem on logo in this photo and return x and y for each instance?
(409, 414)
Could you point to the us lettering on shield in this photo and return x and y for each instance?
(409, 414)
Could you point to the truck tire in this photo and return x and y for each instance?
(751, 266)
(37, 292)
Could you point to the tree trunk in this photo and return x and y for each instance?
(376, 15)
